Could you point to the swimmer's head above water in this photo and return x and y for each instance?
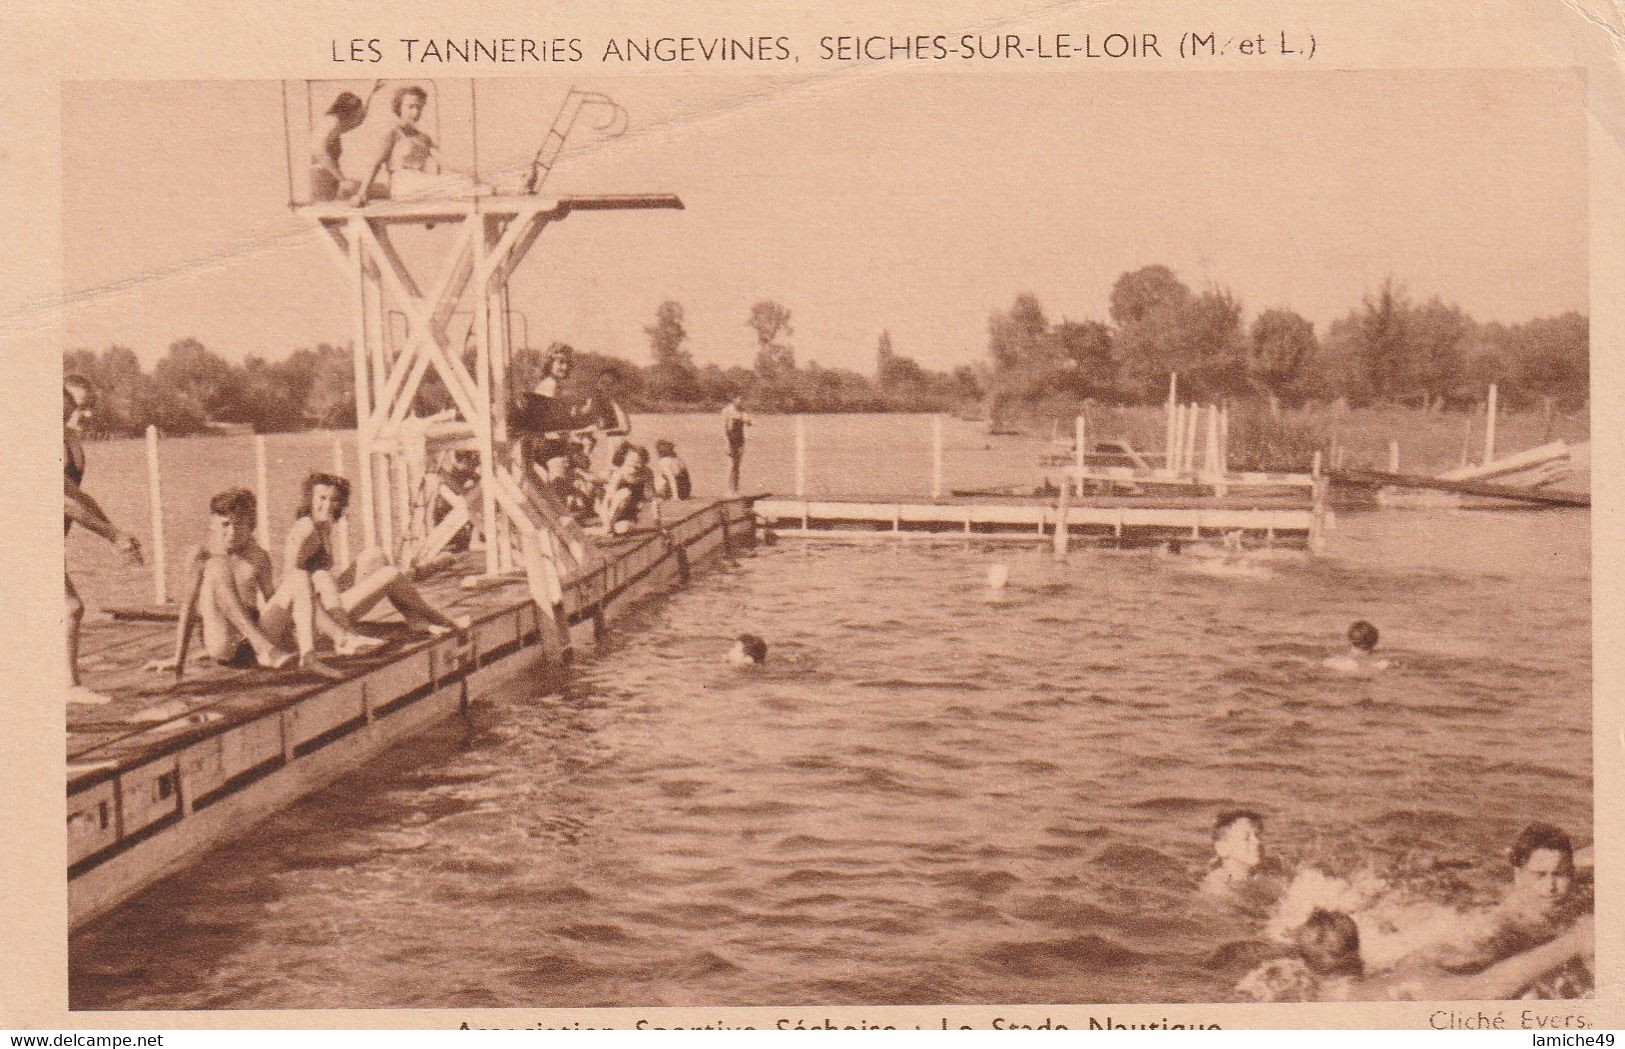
(748, 651)
(1362, 636)
(1238, 842)
(1542, 867)
(1329, 943)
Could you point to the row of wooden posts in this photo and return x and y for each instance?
(1337, 453)
(262, 497)
(1184, 423)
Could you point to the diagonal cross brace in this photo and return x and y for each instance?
(427, 336)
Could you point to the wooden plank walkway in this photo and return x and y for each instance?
(1109, 519)
(165, 771)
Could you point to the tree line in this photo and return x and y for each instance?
(192, 389)
(1389, 349)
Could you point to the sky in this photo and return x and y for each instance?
(876, 198)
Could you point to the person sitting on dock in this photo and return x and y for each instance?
(227, 578)
(78, 399)
(413, 160)
(627, 489)
(671, 474)
(347, 594)
(748, 651)
(1360, 657)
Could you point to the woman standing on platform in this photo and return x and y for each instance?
(348, 112)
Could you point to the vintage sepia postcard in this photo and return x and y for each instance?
(989, 515)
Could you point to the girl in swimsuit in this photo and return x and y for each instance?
(413, 160)
(347, 594)
(348, 112)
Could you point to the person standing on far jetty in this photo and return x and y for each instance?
(78, 399)
(734, 421)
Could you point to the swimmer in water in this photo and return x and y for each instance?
(1332, 970)
(1238, 854)
(1537, 903)
(748, 651)
(1361, 655)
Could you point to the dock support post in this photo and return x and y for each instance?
(1489, 427)
(801, 456)
(1192, 416)
(341, 527)
(1314, 466)
(936, 456)
(262, 490)
(1170, 444)
(1393, 456)
(1063, 534)
(155, 504)
(362, 363)
(1176, 438)
(1317, 520)
(498, 555)
(1080, 442)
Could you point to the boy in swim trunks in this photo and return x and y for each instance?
(229, 579)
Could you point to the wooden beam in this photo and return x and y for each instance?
(458, 382)
(1377, 479)
(363, 394)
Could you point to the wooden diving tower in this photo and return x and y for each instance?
(400, 495)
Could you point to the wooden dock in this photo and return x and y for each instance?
(166, 772)
(1120, 521)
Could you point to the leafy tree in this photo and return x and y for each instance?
(1085, 350)
(769, 320)
(1151, 309)
(1282, 346)
(1139, 294)
(1018, 339)
(672, 375)
(1553, 358)
(1382, 342)
(1437, 340)
(203, 379)
(883, 357)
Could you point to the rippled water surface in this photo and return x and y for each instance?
(931, 793)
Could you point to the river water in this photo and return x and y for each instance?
(932, 792)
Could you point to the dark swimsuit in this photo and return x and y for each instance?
(73, 470)
(545, 421)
